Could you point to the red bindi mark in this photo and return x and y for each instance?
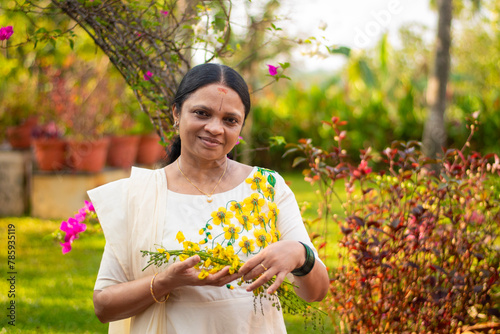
(222, 90)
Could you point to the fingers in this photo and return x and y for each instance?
(252, 268)
(190, 262)
(277, 282)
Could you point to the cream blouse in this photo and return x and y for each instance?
(140, 213)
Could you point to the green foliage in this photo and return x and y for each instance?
(420, 249)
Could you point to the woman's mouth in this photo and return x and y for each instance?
(212, 142)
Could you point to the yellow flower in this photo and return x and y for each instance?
(231, 232)
(203, 274)
(273, 210)
(208, 262)
(275, 235)
(202, 230)
(183, 257)
(217, 250)
(269, 191)
(236, 206)
(204, 241)
(256, 181)
(189, 245)
(254, 202)
(247, 245)
(260, 219)
(221, 216)
(262, 237)
(180, 237)
(245, 220)
(229, 252)
(160, 250)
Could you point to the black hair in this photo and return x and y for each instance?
(198, 77)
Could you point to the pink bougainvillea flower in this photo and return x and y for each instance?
(89, 206)
(66, 247)
(148, 76)
(239, 138)
(73, 227)
(81, 215)
(6, 32)
(273, 70)
(164, 12)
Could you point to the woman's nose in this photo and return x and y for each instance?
(214, 126)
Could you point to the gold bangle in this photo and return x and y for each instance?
(153, 294)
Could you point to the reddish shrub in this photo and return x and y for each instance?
(418, 247)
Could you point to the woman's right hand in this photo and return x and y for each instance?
(184, 274)
(127, 299)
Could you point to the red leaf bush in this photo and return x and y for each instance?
(420, 249)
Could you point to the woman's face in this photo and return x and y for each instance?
(210, 122)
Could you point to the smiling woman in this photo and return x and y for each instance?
(248, 213)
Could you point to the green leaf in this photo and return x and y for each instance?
(284, 65)
(272, 180)
(366, 73)
(277, 140)
(295, 149)
(297, 161)
(344, 50)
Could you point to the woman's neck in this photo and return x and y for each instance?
(202, 171)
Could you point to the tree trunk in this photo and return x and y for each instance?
(434, 136)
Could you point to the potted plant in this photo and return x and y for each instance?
(150, 149)
(18, 117)
(49, 147)
(124, 139)
(82, 97)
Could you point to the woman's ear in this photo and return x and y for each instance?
(174, 112)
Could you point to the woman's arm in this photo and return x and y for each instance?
(279, 259)
(127, 299)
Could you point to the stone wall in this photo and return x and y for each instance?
(48, 195)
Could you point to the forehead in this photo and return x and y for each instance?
(213, 94)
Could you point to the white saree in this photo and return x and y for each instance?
(135, 215)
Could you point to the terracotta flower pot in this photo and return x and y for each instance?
(150, 150)
(19, 137)
(50, 153)
(123, 151)
(88, 156)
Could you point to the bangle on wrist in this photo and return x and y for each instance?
(153, 294)
(308, 264)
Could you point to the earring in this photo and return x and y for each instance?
(176, 124)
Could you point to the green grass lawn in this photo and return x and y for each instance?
(53, 292)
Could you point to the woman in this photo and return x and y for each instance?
(201, 191)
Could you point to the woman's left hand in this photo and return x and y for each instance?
(277, 259)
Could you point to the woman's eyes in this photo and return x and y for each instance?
(205, 114)
(201, 113)
(232, 120)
